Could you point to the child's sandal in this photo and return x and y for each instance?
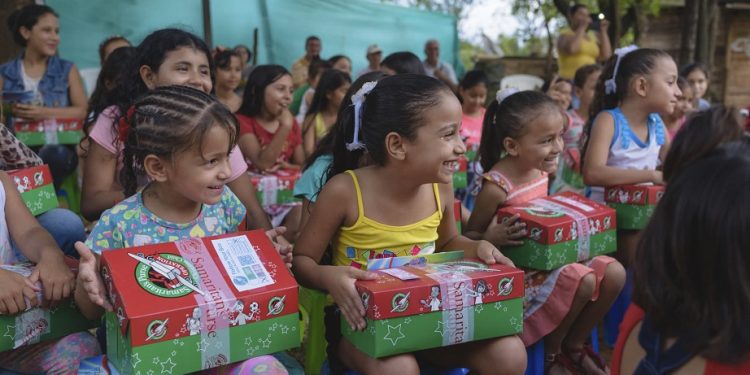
(562, 359)
(583, 352)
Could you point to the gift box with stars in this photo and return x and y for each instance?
(196, 304)
(561, 229)
(40, 324)
(634, 203)
(275, 188)
(36, 188)
(431, 305)
(49, 132)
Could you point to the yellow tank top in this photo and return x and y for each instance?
(369, 239)
(320, 127)
(589, 52)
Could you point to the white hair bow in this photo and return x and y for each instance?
(358, 99)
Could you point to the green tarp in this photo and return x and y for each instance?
(345, 26)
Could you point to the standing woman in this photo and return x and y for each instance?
(54, 83)
(577, 46)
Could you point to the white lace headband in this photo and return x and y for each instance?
(358, 99)
(610, 85)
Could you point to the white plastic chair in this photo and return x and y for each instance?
(522, 82)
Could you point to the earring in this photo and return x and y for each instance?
(503, 154)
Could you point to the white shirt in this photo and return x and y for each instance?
(442, 65)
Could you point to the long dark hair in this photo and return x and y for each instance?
(167, 120)
(638, 62)
(396, 104)
(692, 267)
(325, 145)
(404, 63)
(151, 52)
(254, 96)
(703, 132)
(508, 119)
(329, 82)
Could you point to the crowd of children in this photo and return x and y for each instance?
(170, 147)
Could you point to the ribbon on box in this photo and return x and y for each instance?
(583, 231)
(29, 325)
(208, 318)
(457, 314)
(269, 187)
(50, 131)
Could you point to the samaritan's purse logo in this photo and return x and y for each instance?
(542, 212)
(164, 275)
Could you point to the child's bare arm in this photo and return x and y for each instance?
(483, 224)
(37, 245)
(595, 169)
(90, 293)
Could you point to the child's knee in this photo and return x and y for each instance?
(506, 355)
(586, 288)
(614, 277)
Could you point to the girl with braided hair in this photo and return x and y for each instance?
(181, 139)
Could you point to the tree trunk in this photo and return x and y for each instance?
(615, 27)
(690, 21)
(702, 37)
(713, 28)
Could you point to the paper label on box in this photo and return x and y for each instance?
(241, 263)
(400, 274)
(458, 318)
(574, 203)
(269, 186)
(50, 132)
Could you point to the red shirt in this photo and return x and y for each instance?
(249, 125)
(632, 317)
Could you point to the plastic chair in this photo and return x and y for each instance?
(522, 82)
(535, 354)
(89, 77)
(615, 314)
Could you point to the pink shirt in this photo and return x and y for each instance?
(104, 135)
(471, 128)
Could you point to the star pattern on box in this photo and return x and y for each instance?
(274, 326)
(440, 328)
(478, 308)
(513, 321)
(201, 346)
(251, 350)
(371, 329)
(284, 330)
(394, 334)
(156, 360)
(174, 353)
(8, 332)
(218, 345)
(248, 341)
(266, 342)
(165, 364)
(407, 321)
(135, 359)
(176, 342)
(150, 372)
(383, 322)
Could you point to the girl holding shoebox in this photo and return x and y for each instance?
(521, 143)
(625, 138)
(181, 138)
(401, 201)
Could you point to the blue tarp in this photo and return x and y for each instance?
(345, 26)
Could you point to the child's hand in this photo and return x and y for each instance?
(282, 245)
(89, 278)
(15, 289)
(339, 281)
(508, 233)
(657, 178)
(58, 281)
(491, 255)
(286, 119)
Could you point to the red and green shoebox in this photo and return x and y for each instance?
(36, 188)
(50, 132)
(460, 178)
(38, 324)
(432, 305)
(196, 304)
(275, 188)
(457, 214)
(562, 229)
(634, 203)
